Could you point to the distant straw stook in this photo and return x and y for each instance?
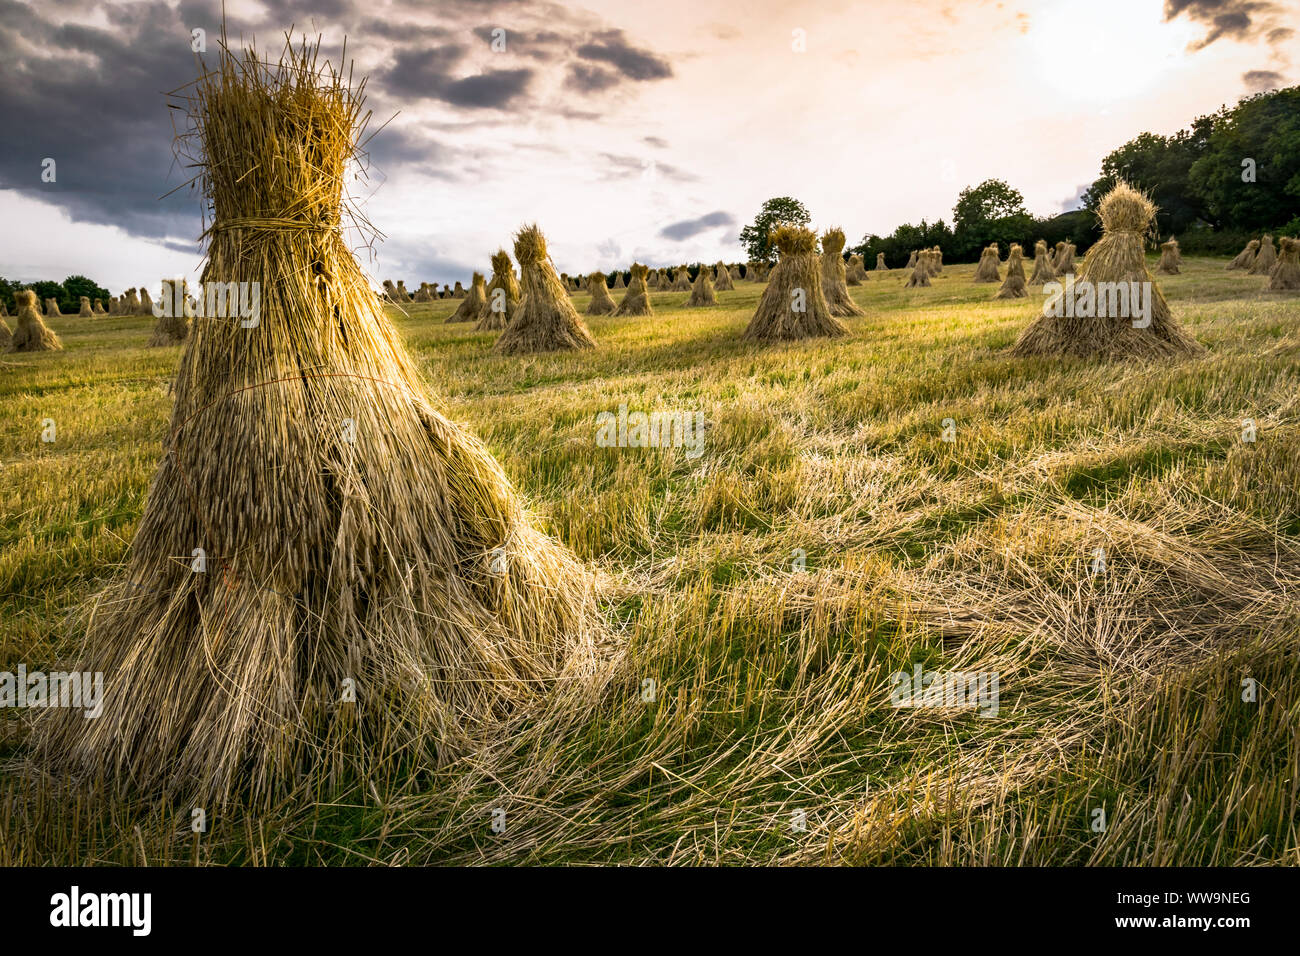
(1118, 261)
(546, 320)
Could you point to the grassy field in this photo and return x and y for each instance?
(771, 737)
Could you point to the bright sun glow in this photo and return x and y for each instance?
(1105, 51)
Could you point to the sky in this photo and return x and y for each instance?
(627, 130)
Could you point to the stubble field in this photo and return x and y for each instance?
(827, 537)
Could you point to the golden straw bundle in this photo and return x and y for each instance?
(31, 334)
(501, 299)
(1013, 286)
(987, 270)
(701, 289)
(601, 302)
(1169, 258)
(636, 300)
(172, 329)
(1118, 258)
(833, 274)
(920, 273)
(793, 306)
(722, 281)
(1286, 274)
(366, 590)
(1265, 259)
(1246, 258)
(546, 320)
(472, 305)
(1044, 271)
(1065, 261)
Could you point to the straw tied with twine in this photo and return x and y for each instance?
(1117, 258)
(272, 224)
(395, 554)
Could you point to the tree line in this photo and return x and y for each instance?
(68, 292)
(1225, 180)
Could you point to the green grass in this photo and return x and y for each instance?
(1120, 691)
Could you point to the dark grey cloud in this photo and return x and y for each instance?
(585, 115)
(420, 72)
(1233, 19)
(656, 141)
(494, 89)
(93, 98)
(689, 228)
(1257, 81)
(425, 73)
(611, 46)
(96, 106)
(405, 31)
(1242, 21)
(589, 79)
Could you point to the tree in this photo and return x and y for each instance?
(899, 245)
(1160, 166)
(989, 201)
(782, 209)
(74, 287)
(7, 289)
(47, 289)
(1079, 226)
(67, 293)
(1248, 172)
(1236, 171)
(989, 212)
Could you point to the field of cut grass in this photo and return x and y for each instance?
(827, 537)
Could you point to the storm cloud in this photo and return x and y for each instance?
(93, 98)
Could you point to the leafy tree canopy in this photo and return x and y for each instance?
(755, 236)
(1237, 169)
